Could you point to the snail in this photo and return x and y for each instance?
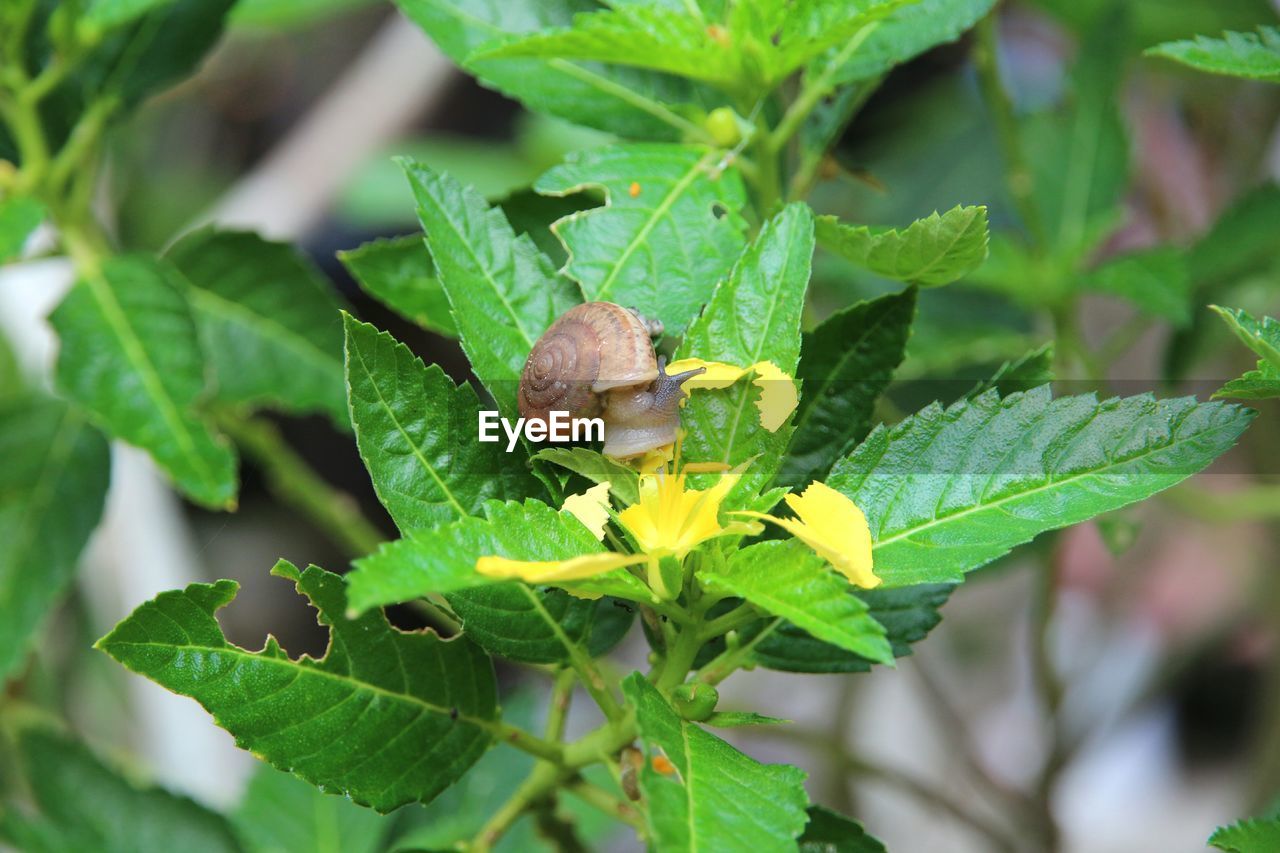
(598, 360)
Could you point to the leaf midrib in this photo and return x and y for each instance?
(135, 353)
(299, 670)
(217, 304)
(484, 269)
(936, 262)
(417, 451)
(938, 521)
(52, 468)
(668, 201)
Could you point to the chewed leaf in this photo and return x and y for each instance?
(670, 229)
(354, 722)
(778, 394)
(591, 508)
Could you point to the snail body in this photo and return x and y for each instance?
(598, 360)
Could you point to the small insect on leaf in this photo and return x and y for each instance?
(634, 189)
(718, 34)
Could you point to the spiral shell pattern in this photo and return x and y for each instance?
(559, 372)
(591, 349)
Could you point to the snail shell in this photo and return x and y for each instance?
(598, 360)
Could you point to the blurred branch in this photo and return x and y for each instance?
(334, 512)
(818, 742)
(1251, 503)
(399, 76)
(986, 56)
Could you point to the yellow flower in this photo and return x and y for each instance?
(778, 395)
(591, 508)
(672, 520)
(554, 571)
(834, 527)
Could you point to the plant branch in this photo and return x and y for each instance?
(333, 512)
(1018, 175)
(732, 658)
(558, 709)
(602, 800)
(813, 91)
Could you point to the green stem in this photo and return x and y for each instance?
(1051, 690)
(1018, 174)
(814, 91)
(601, 799)
(558, 710)
(544, 779)
(83, 141)
(806, 174)
(735, 618)
(334, 513)
(1251, 503)
(732, 658)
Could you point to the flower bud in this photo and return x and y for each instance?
(695, 701)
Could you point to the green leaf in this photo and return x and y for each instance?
(130, 355)
(948, 490)
(385, 717)
(399, 274)
(1260, 384)
(624, 482)
(1157, 281)
(1248, 836)
(52, 486)
(280, 812)
(935, 250)
(85, 805)
(417, 434)
(631, 102)
(908, 32)
(1261, 336)
(740, 719)
(501, 289)
(718, 798)
(1241, 241)
(641, 35)
(908, 614)
(102, 15)
(444, 559)
(754, 315)
(1253, 56)
(19, 216)
(845, 365)
(1079, 156)
(757, 46)
(804, 30)
(1022, 374)
(268, 320)
(670, 228)
(785, 578)
(829, 832)
(537, 626)
(289, 14)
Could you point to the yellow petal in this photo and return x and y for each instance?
(718, 374)
(591, 508)
(551, 571)
(834, 527)
(778, 395)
